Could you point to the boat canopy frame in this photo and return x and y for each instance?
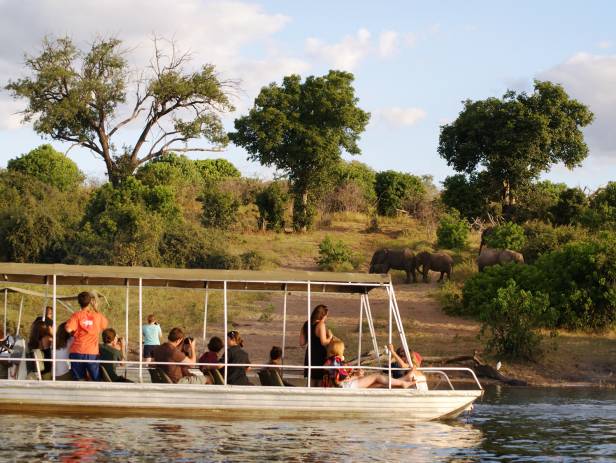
(287, 281)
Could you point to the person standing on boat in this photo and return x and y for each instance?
(152, 335)
(320, 337)
(86, 326)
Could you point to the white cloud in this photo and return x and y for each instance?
(605, 44)
(592, 80)
(214, 31)
(401, 117)
(345, 54)
(388, 43)
(410, 39)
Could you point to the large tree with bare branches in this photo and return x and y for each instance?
(87, 97)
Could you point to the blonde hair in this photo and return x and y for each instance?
(335, 347)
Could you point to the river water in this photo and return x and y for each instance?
(509, 424)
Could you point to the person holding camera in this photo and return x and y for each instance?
(112, 349)
(152, 336)
(171, 351)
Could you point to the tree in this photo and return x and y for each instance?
(80, 96)
(570, 206)
(538, 200)
(217, 169)
(49, 166)
(397, 190)
(467, 195)
(272, 201)
(301, 128)
(517, 137)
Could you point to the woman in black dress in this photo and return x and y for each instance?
(320, 337)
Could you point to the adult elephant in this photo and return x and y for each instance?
(489, 257)
(435, 261)
(398, 259)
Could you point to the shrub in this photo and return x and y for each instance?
(336, 256)
(49, 166)
(170, 170)
(570, 207)
(272, 202)
(511, 319)
(252, 260)
(601, 215)
(220, 259)
(537, 201)
(216, 169)
(219, 209)
(452, 232)
(580, 279)
(506, 236)
(398, 190)
(542, 238)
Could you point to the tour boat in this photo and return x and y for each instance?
(144, 397)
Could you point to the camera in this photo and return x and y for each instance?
(188, 339)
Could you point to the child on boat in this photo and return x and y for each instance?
(349, 379)
(152, 335)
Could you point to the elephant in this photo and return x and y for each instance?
(489, 257)
(398, 259)
(437, 262)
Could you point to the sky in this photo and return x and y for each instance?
(414, 63)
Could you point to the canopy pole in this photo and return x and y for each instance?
(127, 301)
(140, 330)
(224, 309)
(21, 307)
(205, 304)
(45, 300)
(389, 341)
(309, 336)
(54, 327)
(284, 321)
(361, 323)
(398, 318)
(6, 302)
(375, 343)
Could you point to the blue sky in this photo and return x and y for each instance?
(414, 62)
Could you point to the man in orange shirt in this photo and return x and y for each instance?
(86, 326)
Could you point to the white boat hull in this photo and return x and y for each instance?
(199, 400)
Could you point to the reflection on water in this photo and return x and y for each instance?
(510, 425)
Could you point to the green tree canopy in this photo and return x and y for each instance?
(569, 207)
(467, 194)
(87, 97)
(301, 128)
(49, 166)
(398, 190)
(517, 137)
(216, 169)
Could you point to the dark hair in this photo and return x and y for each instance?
(215, 344)
(175, 334)
(109, 335)
(48, 309)
(275, 353)
(62, 336)
(39, 330)
(236, 335)
(151, 318)
(318, 314)
(84, 298)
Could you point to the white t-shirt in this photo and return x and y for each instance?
(62, 354)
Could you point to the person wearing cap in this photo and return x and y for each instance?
(414, 375)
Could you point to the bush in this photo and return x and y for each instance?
(506, 236)
(511, 319)
(397, 190)
(170, 170)
(272, 202)
(537, 201)
(216, 169)
(222, 260)
(335, 256)
(252, 260)
(580, 279)
(219, 209)
(601, 215)
(48, 166)
(542, 238)
(452, 232)
(570, 207)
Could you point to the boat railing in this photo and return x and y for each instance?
(140, 365)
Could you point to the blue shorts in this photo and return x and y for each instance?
(148, 351)
(78, 369)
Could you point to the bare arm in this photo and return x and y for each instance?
(398, 359)
(193, 354)
(302, 338)
(324, 335)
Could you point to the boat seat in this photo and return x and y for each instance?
(159, 376)
(276, 379)
(105, 378)
(265, 378)
(216, 377)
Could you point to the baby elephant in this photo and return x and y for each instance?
(437, 262)
(398, 259)
(489, 257)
